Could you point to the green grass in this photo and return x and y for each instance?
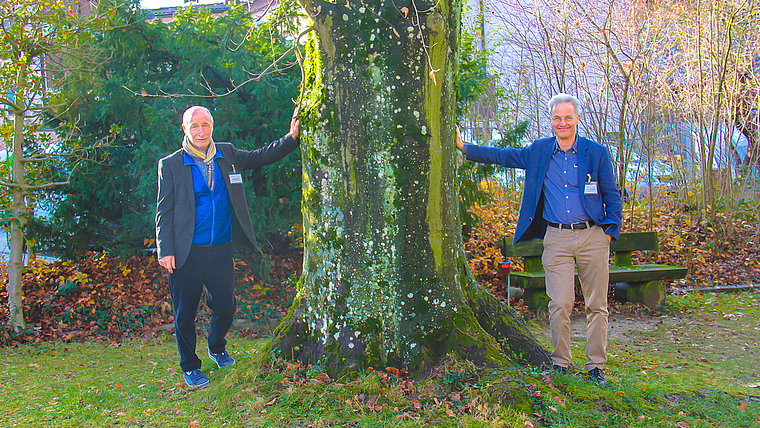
(696, 362)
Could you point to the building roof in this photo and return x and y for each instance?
(168, 12)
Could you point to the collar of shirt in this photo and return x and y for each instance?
(573, 148)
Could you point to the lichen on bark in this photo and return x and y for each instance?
(385, 281)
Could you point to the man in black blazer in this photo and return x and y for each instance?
(201, 212)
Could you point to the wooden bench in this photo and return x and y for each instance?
(633, 283)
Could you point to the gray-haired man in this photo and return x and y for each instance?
(571, 200)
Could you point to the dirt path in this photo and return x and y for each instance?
(715, 345)
(622, 327)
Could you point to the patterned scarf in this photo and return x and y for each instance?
(206, 158)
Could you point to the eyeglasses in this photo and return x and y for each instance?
(566, 119)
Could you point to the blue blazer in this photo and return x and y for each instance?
(605, 208)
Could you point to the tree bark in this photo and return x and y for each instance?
(15, 262)
(385, 277)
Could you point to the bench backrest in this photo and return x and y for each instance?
(636, 241)
(628, 242)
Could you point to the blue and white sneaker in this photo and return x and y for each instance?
(196, 379)
(222, 360)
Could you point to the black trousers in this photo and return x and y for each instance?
(212, 267)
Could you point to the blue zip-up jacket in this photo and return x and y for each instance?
(213, 218)
(175, 202)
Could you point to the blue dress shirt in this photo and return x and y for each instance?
(562, 189)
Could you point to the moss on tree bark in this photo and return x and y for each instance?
(385, 280)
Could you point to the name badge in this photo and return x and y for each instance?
(591, 188)
(236, 179)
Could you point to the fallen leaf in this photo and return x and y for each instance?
(406, 415)
(416, 405)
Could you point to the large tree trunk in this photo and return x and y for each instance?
(385, 277)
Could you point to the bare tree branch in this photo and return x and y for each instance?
(255, 77)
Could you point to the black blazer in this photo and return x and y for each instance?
(175, 205)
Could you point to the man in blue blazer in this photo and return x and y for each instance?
(201, 212)
(571, 200)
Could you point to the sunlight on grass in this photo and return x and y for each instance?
(695, 363)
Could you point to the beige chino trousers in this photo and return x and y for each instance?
(589, 249)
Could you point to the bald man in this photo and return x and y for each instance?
(201, 210)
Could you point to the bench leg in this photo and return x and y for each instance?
(536, 298)
(651, 293)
